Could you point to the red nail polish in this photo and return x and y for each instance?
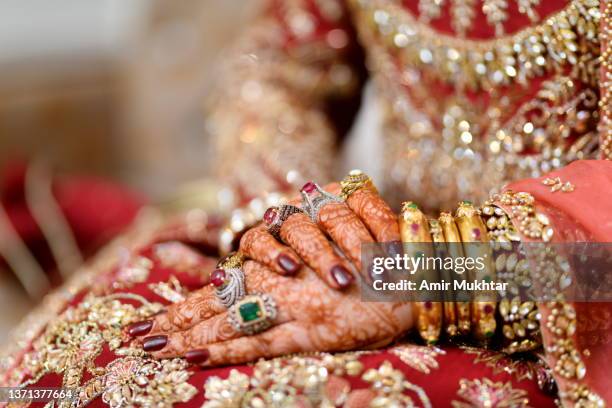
(140, 328)
(289, 265)
(342, 276)
(155, 343)
(197, 356)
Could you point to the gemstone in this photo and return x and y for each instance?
(355, 172)
(428, 305)
(309, 187)
(465, 202)
(270, 215)
(488, 309)
(217, 278)
(476, 233)
(250, 311)
(414, 227)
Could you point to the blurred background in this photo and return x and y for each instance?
(108, 88)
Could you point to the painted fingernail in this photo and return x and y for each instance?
(155, 343)
(289, 265)
(395, 248)
(140, 328)
(342, 276)
(197, 356)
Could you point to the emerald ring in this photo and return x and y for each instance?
(252, 314)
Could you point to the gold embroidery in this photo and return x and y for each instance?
(172, 290)
(462, 12)
(556, 184)
(567, 38)
(523, 367)
(283, 382)
(486, 393)
(421, 358)
(134, 270)
(392, 388)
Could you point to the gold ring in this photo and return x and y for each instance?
(355, 180)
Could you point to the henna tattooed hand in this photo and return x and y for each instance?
(311, 317)
(365, 217)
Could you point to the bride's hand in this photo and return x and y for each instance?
(310, 316)
(363, 218)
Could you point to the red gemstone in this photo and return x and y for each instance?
(476, 233)
(270, 215)
(415, 227)
(309, 187)
(428, 305)
(217, 278)
(488, 309)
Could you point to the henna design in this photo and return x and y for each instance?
(258, 244)
(346, 229)
(305, 237)
(326, 320)
(375, 214)
(198, 306)
(311, 314)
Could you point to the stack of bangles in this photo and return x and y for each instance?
(454, 316)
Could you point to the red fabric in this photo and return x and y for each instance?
(480, 28)
(582, 215)
(440, 385)
(95, 209)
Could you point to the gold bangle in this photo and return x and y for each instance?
(355, 180)
(414, 229)
(451, 235)
(449, 312)
(473, 229)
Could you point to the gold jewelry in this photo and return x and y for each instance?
(414, 229)
(472, 229)
(521, 325)
(355, 180)
(233, 260)
(449, 312)
(451, 235)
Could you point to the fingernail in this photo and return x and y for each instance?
(140, 328)
(197, 356)
(155, 343)
(289, 265)
(395, 248)
(342, 276)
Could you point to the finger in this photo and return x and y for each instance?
(284, 339)
(345, 229)
(189, 343)
(259, 245)
(309, 242)
(185, 316)
(375, 214)
(198, 306)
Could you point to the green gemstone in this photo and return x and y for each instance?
(250, 311)
(413, 206)
(466, 202)
(489, 334)
(419, 254)
(487, 279)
